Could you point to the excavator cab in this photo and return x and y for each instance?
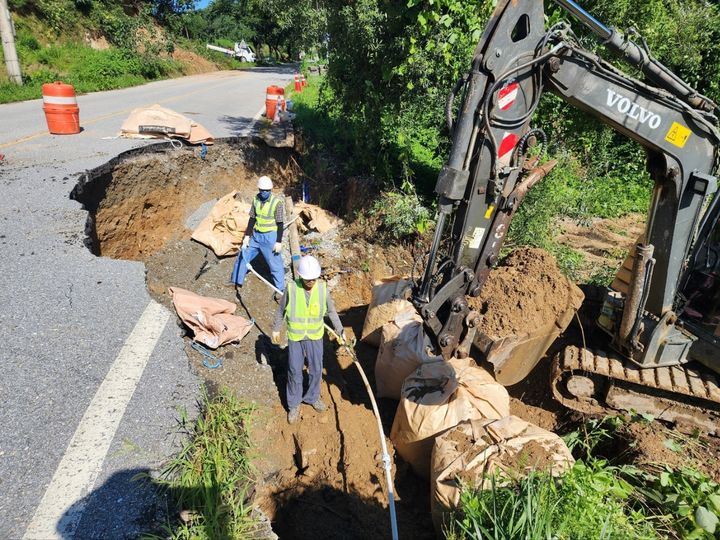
(699, 292)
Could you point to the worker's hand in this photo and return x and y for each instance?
(246, 242)
(277, 248)
(275, 338)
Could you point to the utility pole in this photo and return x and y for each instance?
(7, 33)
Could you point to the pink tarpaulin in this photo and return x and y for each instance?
(211, 319)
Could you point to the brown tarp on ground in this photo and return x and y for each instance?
(211, 319)
(223, 228)
(474, 451)
(159, 122)
(437, 397)
(389, 299)
(403, 348)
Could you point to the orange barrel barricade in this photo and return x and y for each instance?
(274, 96)
(303, 81)
(61, 110)
(298, 84)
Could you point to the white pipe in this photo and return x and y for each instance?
(385, 455)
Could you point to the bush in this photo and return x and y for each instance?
(401, 213)
(589, 501)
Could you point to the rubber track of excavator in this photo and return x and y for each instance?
(690, 387)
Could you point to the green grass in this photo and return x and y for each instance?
(211, 476)
(87, 69)
(324, 127)
(567, 193)
(590, 501)
(597, 498)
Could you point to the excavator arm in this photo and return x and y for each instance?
(491, 168)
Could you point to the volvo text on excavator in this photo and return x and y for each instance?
(662, 313)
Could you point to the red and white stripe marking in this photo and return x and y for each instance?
(505, 150)
(60, 100)
(507, 95)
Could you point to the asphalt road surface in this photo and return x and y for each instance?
(93, 376)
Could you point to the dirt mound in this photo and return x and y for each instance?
(192, 63)
(525, 292)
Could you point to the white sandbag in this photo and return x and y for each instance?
(389, 299)
(474, 451)
(160, 122)
(403, 348)
(437, 397)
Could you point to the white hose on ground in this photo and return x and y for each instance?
(385, 456)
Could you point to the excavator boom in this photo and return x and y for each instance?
(491, 168)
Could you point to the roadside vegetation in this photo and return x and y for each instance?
(391, 66)
(211, 480)
(100, 45)
(601, 496)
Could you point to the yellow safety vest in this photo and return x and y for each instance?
(305, 319)
(265, 214)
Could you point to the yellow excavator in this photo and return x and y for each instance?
(661, 315)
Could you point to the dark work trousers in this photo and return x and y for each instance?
(298, 351)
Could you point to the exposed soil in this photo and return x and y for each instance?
(143, 198)
(192, 63)
(322, 477)
(525, 292)
(533, 455)
(604, 243)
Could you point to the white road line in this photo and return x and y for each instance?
(248, 130)
(61, 508)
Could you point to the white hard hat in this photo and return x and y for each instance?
(264, 182)
(309, 267)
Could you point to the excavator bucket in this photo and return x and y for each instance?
(513, 357)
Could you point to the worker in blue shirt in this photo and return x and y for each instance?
(263, 235)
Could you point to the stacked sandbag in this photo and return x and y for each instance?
(403, 348)
(474, 451)
(389, 298)
(437, 397)
(223, 228)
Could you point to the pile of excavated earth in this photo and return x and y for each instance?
(323, 477)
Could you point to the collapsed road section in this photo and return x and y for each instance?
(144, 205)
(323, 475)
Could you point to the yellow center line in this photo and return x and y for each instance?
(106, 116)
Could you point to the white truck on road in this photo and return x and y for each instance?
(241, 51)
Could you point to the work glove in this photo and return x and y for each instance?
(277, 248)
(275, 338)
(246, 242)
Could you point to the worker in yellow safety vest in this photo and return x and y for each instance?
(303, 307)
(263, 235)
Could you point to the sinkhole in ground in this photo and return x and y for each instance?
(142, 206)
(142, 199)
